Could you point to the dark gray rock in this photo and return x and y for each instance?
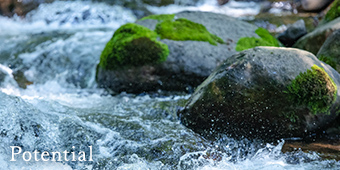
(188, 63)
(330, 51)
(247, 96)
(293, 33)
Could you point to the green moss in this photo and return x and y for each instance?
(133, 45)
(291, 116)
(334, 12)
(265, 39)
(328, 60)
(182, 29)
(314, 89)
(160, 17)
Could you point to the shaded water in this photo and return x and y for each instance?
(57, 47)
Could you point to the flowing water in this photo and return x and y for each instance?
(57, 47)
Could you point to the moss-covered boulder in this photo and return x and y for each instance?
(265, 93)
(330, 51)
(313, 41)
(173, 52)
(133, 45)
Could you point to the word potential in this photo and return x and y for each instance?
(46, 156)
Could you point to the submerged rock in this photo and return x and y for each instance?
(313, 41)
(265, 93)
(2, 76)
(330, 51)
(189, 47)
(7, 78)
(325, 149)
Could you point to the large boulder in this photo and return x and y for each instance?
(330, 51)
(265, 93)
(169, 52)
(313, 41)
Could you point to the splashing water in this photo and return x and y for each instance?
(57, 47)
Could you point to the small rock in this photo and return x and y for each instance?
(293, 33)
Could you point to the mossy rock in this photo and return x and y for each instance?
(135, 59)
(133, 45)
(265, 93)
(330, 52)
(313, 41)
(333, 13)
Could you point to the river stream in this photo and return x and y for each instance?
(57, 47)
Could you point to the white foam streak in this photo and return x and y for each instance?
(233, 8)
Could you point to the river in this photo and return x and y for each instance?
(57, 47)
